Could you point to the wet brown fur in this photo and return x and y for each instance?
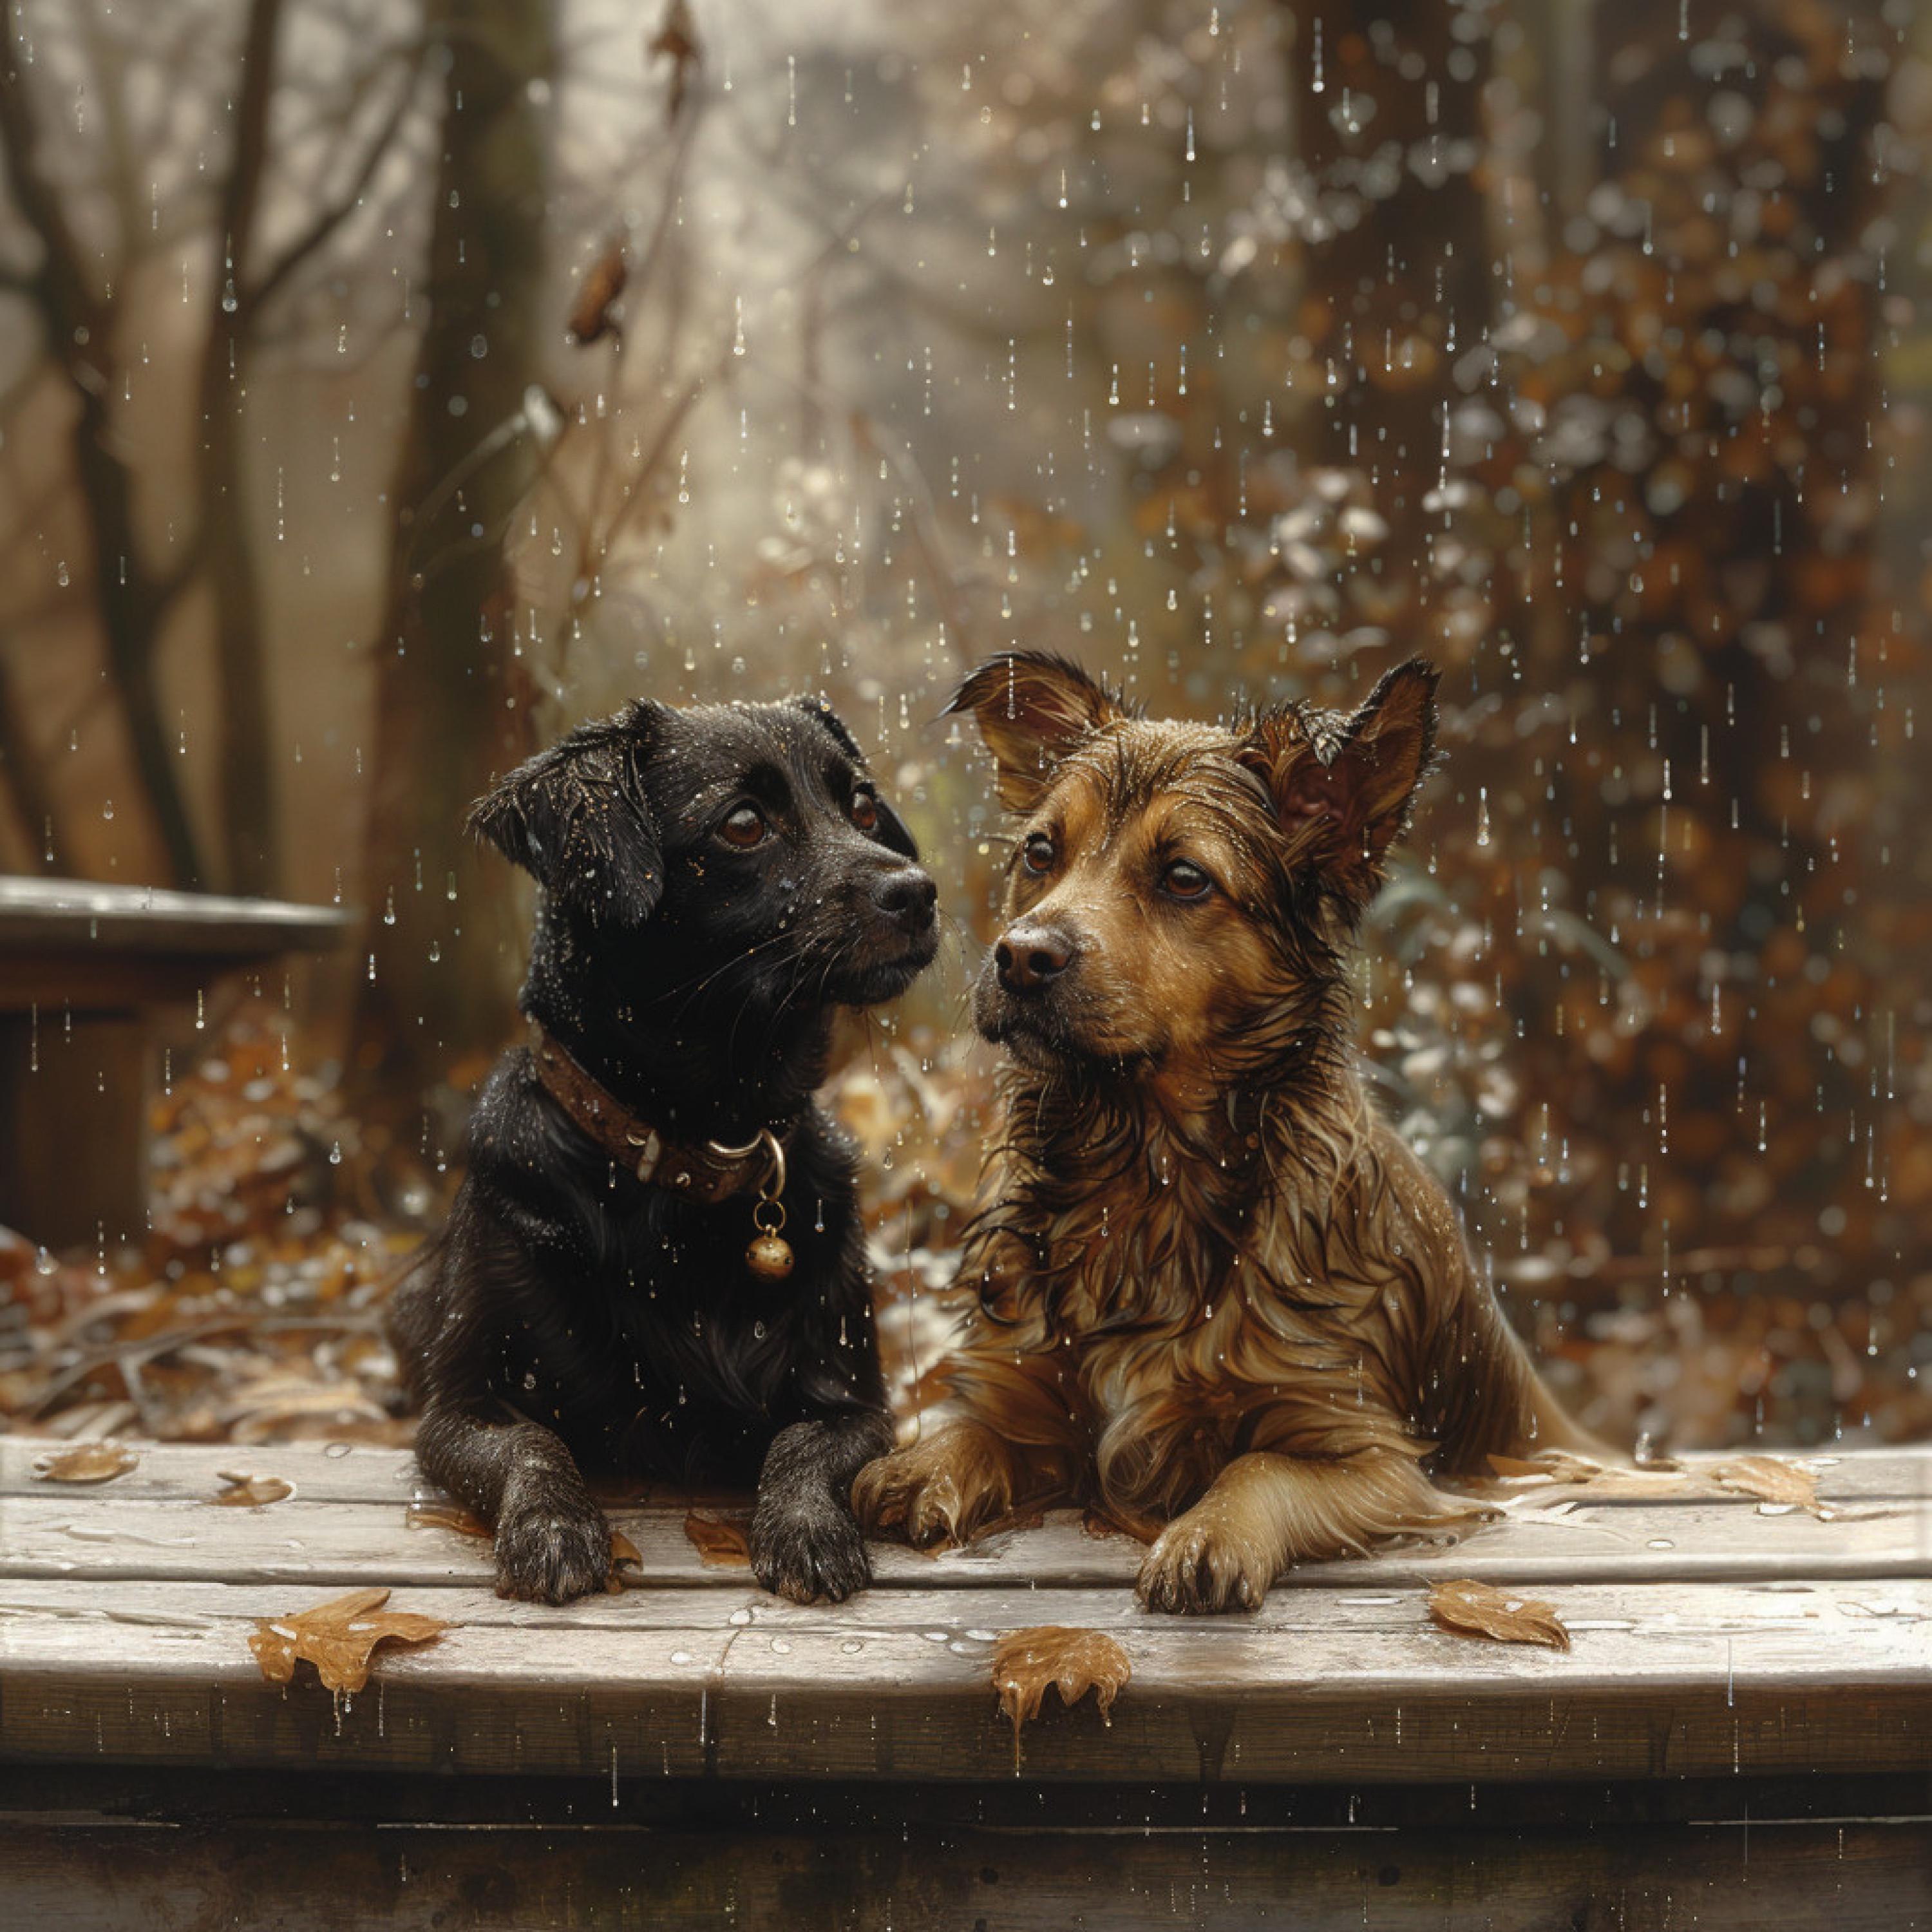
(1207, 1286)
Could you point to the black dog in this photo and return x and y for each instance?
(612, 1292)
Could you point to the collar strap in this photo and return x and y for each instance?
(702, 1171)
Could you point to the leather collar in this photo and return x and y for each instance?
(701, 1171)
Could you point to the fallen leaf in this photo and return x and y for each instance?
(1098, 1522)
(622, 1551)
(87, 1462)
(1771, 1480)
(338, 1637)
(1077, 1660)
(720, 1542)
(447, 1516)
(1604, 1479)
(252, 1492)
(1479, 1609)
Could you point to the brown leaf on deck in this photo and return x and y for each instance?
(252, 1492)
(1605, 1479)
(623, 1553)
(87, 1462)
(338, 1637)
(1099, 1522)
(1771, 1479)
(720, 1542)
(1478, 1609)
(1077, 1660)
(447, 1516)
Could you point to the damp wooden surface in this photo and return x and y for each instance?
(1711, 1635)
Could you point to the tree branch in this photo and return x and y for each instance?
(331, 215)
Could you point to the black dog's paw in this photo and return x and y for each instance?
(811, 1558)
(551, 1550)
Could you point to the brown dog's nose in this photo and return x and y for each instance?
(1028, 956)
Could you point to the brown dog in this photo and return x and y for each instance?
(1215, 1290)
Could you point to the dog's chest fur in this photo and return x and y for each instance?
(653, 1348)
(1194, 1312)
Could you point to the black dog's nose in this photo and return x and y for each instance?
(1028, 956)
(907, 894)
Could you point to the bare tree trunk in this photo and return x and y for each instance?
(24, 773)
(133, 601)
(452, 701)
(250, 810)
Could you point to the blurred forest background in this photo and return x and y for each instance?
(387, 384)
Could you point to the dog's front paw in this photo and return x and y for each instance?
(818, 1557)
(1198, 1564)
(939, 1490)
(550, 1550)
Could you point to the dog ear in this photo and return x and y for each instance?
(1342, 787)
(890, 831)
(575, 818)
(1033, 708)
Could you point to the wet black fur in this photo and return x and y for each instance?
(570, 1321)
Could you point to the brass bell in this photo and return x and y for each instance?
(770, 1257)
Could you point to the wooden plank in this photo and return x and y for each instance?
(39, 914)
(359, 1472)
(95, 1532)
(1866, 1876)
(1662, 1682)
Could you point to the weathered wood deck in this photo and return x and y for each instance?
(1717, 1646)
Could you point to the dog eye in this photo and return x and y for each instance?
(744, 829)
(1038, 853)
(1184, 881)
(864, 812)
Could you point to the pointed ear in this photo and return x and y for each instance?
(576, 819)
(1033, 708)
(1342, 787)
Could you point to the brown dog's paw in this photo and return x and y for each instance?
(551, 1552)
(1197, 1564)
(819, 1559)
(939, 1490)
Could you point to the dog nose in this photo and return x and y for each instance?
(907, 894)
(1028, 956)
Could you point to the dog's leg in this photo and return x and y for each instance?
(805, 1543)
(952, 1483)
(1264, 1511)
(552, 1542)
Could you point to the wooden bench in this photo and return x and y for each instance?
(1739, 1736)
(88, 975)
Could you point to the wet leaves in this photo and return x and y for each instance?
(1604, 1480)
(1772, 1480)
(338, 1637)
(1075, 1661)
(1505, 1616)
(445, 1515)
(722, 1542)
(625, 1555)
(86, 1463)
(252, 1492)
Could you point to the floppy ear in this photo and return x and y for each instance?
(575, 818)
(1033, 708)
(1342, 787)
(891, 832)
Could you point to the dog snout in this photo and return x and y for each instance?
(1030, 956)
(907, 896)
